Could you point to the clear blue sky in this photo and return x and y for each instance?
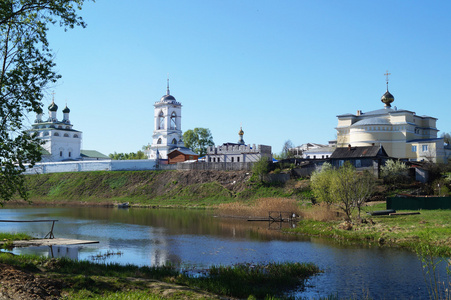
(284, 69)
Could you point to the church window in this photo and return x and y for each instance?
(159, 141)
(46, 133)
(174, 142)
(232, 159)
(219, 160)
(70, 153)
(60, 127)
(67, 127)
(414, 148)
(61, 153)
(173, 120)
(238, 159)
(66, 135)
(56, 134)
(75, 135)
(161, 120)
(209, 159)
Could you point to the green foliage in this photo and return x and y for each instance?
(25, 73)
(395, 171)
(261, 168)
(321, 184)
(343, 187)
(128, 156)
(198, 140)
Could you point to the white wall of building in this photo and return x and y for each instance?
(93, 165)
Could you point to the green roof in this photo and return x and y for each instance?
(92, 154)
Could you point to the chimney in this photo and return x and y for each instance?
(372, 144)
(349, 147)
(359, 112)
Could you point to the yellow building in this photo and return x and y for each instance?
(402, 133)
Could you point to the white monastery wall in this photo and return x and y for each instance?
(92, 165)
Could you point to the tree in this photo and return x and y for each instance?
(363, 189)
(395, 171)
(26, 71)
(343, 187)
(321, 182)
(286, 153)
(128, 156)
(446, 138)
(198, 140)
(261, 167)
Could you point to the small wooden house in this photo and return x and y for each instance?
(368, 157)
(181, 155)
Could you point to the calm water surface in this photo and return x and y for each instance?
(197, 239)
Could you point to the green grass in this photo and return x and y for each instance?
(253, 280)
(398, 231)
(14, 236)
(88, 280)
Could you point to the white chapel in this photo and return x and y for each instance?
(61, 141)
(167, 134)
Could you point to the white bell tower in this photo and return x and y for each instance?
(167, 134)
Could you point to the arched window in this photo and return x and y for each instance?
(66, 135)
(46, 133)
(56, 134)
(174, 142)
(173, 120)
(75, 135)
(161, 120)
(159, 141)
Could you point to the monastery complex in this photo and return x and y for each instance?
(402, 133)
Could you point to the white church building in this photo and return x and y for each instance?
(61, 141)
(167, 134)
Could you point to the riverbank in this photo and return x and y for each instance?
(154, 188)
(27, 277)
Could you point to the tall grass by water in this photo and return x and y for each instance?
(258, 208)
(83, 279)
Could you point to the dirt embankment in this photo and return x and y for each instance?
(139, 185)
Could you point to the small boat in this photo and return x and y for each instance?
(124, 205)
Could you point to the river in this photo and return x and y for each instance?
(196, 239)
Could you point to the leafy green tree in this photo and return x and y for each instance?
(26, 71)
(261, 167)
(198, 140)
(343, 187)
(128, 156)
(321, 183)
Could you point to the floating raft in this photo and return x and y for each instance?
(51, 242)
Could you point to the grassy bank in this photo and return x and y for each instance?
(406, 231)
(153, 188)
(82, 279)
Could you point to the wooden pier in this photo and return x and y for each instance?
(276, 216)
(48, 240)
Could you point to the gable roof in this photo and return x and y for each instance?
(359, 152)
(184, 150)
(92, 154)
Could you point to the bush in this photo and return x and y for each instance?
(394, 172)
